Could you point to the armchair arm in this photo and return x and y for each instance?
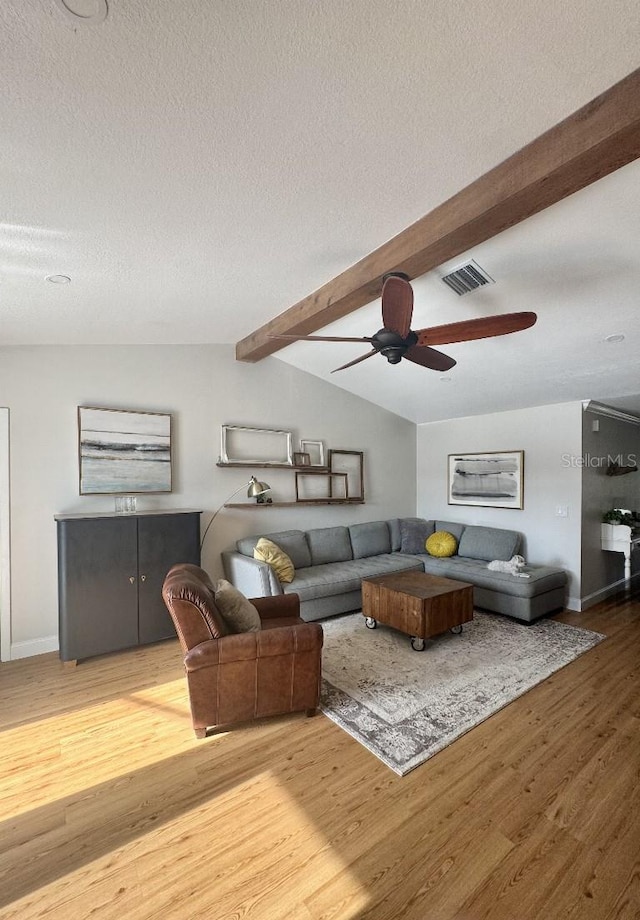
(250, 576)
(267, 643)
(282, 605)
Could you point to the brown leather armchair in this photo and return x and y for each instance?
(234, 677)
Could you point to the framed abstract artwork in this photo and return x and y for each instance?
(121, 451)
(490, 480)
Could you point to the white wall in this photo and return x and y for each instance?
(203, 387)
(548, 435)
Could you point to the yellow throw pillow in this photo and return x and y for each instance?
(267, 551)
(441, 544)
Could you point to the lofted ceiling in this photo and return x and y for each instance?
(196, 169)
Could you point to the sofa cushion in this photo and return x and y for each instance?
(394, 533)
(341, 577)
(413, 534)
(488, 543)
(238, 613)
(441, 544)
(329, 544)
(268, 551)
(292, 542)
(451, 527)
(542, 578)
(370, 539)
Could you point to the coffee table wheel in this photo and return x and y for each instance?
(370, 623)
(417, 643)
(456, 630)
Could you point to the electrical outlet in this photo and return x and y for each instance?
(562, 510)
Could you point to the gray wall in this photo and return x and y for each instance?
(615, 439)
(203, 387)
(550, 436)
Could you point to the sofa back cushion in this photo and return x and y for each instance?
(488, 543)
(370, 539)
(329, 544)
(451, 527)
(394, 533)
(292, 542)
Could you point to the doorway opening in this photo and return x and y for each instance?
(5, 535)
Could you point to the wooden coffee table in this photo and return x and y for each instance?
(417, 604)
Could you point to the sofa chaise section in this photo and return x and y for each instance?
(538, 591)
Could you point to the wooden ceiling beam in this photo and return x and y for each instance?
(596, 140)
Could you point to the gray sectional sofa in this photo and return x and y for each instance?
(330, 563)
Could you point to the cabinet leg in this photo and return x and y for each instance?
(200, 732)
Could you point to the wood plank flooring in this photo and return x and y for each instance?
(111, 809)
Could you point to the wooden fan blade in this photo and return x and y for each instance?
(429, 357)
(321, 338)
(397, 305)
(483, 328)
(369, 354)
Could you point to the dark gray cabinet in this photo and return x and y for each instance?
(110, 573)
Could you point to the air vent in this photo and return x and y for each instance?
(468, 277)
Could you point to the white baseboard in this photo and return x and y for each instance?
(34, 647)
(603, 593)
(573, 603)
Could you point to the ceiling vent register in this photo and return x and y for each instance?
(466, 278)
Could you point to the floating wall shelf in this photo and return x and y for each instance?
(311, 501)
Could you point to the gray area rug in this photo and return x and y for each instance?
(405, 706)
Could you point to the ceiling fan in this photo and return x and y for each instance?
(396, 340)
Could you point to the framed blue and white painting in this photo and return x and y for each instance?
(123, 452)
(490, 480)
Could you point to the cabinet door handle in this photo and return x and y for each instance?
(131, 579)
(143, 578)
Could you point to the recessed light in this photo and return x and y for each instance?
(444, 379)
(58, 279)
(85, 11)
(616, 337)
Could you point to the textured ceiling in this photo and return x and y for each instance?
(197, 168)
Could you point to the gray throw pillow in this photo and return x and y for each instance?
(238, 613)
(413, 535)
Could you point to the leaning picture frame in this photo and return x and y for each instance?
(351, 463)
(122, 451)
(315, 449)
(494, 479)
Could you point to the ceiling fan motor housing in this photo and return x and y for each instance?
(392, 345)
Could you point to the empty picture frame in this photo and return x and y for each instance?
(490, 480)
(350, 462)
(321, 486)
(248, 446)
(315, 449)
(121, 451)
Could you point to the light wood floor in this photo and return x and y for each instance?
(111, 809)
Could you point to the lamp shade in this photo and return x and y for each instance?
(257, 488)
